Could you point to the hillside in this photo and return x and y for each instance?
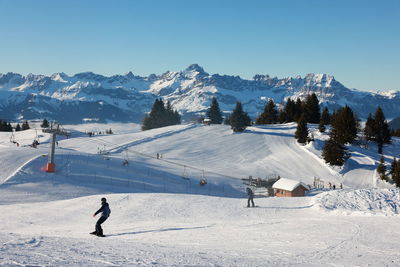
(92, 97)
(161, 216)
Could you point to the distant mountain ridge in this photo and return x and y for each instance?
(88, 96)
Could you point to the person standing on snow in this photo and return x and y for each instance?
(250, 193)
(105, 213)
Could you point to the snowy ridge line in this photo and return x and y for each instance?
(125, 146)
(21, 167)
(164, 160)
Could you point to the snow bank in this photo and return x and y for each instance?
(363, 201)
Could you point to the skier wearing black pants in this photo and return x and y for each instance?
(251, 196)
(105, 213)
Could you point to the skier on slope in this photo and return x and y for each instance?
(105, 213)
(250, 193)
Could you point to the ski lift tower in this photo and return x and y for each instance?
(54, 130)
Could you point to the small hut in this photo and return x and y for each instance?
(289, 188)
(207, 121)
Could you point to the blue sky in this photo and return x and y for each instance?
(357, 41)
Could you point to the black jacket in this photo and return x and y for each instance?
(105, 210)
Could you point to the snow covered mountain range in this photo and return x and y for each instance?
(89, 96)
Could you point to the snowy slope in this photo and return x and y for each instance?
(163, 217)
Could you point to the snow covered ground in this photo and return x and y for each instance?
(161, 216)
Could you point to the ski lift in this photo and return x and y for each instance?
(126, 158)
(203, 180)
(35, 142)
(12, 139)
(185, 174)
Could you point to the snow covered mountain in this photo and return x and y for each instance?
(89, 96)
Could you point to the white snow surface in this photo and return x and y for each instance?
(161, 216)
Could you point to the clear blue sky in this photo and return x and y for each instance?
(357, 41)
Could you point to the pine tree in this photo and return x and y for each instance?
(381, 170)
(8, 127)
(324, 120)
(214, 113)
(290, 110)
(270, 114)
(17, 128)
(227, 120)
(325, 116)
(381, 129)
(395, 172)
(45, 124)
(334, 153)
(160, 116)
(301, 133)
(312, 109)
(369, 128)
(321, 127)
(25, 126)
(344, 126)
(298, 109)
(239, 119)
(282, 117)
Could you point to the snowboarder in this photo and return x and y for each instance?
(250, 193)
(105, 213)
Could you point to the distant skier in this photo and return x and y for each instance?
(250, 193)
(105, 213)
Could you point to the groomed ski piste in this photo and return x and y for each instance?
(162, 216)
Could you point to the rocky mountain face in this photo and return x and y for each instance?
(92, 97)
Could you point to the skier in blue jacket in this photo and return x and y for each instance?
(105, 213)
(250, 193)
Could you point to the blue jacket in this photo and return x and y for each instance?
(105, 210)
(249, 192)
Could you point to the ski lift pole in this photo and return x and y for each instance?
(50, 163)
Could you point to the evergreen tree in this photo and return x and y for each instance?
(312, 109)
(17, 128)
(214, 113)
(325, 117)
(369, 128)
(344, 126)
(45, 124)
(160, 116)
(290, 110)
(321, 127)
(381, 129)
(25, 126)
(381, 170)
(334, 153)
(282, 117)
(239, 119)
(301, 133)
(270, 114)
(298, 109)
(395, 172)
(324, 120)
(227, 120)
(8, 127)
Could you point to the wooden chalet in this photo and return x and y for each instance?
(289, 188)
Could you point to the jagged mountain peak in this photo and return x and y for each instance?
(195, 67)
(189, 90)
